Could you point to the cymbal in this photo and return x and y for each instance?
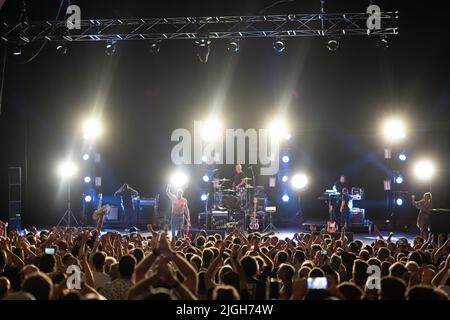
(228, 190)
(247, 179)
(224, 180)
(249, 187)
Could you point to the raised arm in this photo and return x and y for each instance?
(118, 191)
(169, 194)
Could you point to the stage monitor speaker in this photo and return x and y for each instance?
(337, 235)
(113, 214)
(440, 221)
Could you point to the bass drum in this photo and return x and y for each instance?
(230, 202)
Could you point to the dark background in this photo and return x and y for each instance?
(335, 102)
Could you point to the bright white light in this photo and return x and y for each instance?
(285, 198)
(88, 198)
(399, 180)
(179, 179)
(284, 179)
(91, 129)
(399, 201)
(299, 181)
(204, 158)
(85, 157)
(424, 170)
(204, 197)
(87, 179)
(402, 156)
(211, 130)
(205, 178)
(287, 136)
(278, 129)
(394, 129)
(285, 159)
(67, 169)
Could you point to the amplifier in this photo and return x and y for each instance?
(219, 213)
(113, 214)
(358, 216)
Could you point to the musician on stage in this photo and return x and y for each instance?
(423, 219)
(345, 209)
(239, 178)
(127, 193)
(180, 212)
(340, 184)
(337, 203)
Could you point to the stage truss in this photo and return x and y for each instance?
(226, 27)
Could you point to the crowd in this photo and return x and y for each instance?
(77, 264)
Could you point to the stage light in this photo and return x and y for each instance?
(394, 129)
(91, 129)
(424, 170)
(279, 46)
(288, 136)
(285, 159)
(87, 179)
(285, 198)
(205, 178)
(402, 156)
(67, 169)
(203, 49)
(61, 48)
(110, 47)
(17, 51)
(87, 198)
(284, 178)
(204, 158)
(399, 201)
(233, 46)
(399, 180)
(299, 181)
(85, 156)
(178, 179)
(211, 130)
(204, 197)
(278, 129)
(332, 45)
(155, 46)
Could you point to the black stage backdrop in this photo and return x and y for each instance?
(335, 102)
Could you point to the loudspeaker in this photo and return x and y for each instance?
(440, 221)
(113, 214)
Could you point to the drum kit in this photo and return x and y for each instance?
(237, 202)
(231, 199)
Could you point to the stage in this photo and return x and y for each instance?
(366, 238)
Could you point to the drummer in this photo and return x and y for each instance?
(239, 178)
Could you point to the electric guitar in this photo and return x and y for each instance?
(253, 221)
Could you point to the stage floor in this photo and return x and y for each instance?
(366, 238)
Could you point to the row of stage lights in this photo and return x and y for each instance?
(203, 46)
(394, 131)
(67, 169)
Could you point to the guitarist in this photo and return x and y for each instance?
(180, 212)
